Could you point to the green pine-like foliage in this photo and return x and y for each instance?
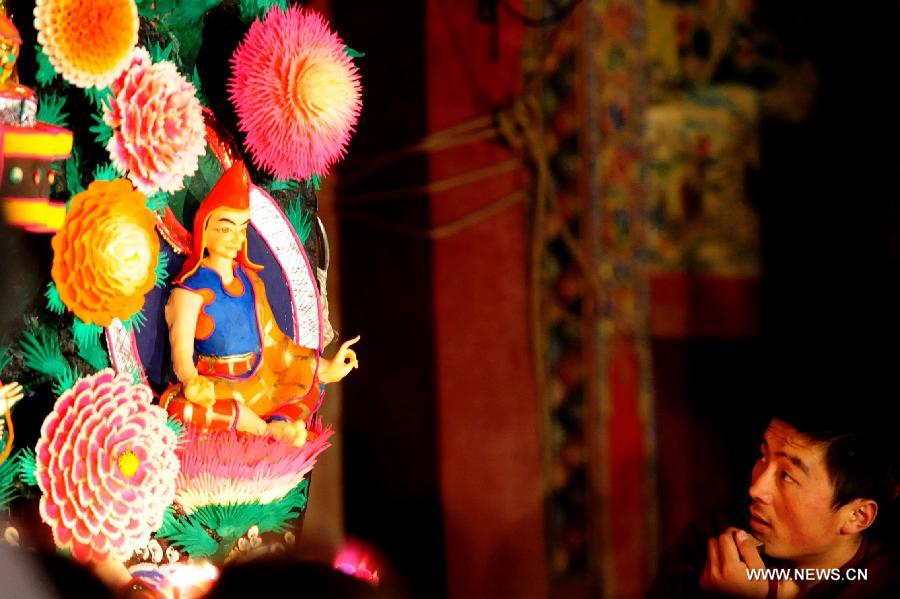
(42, 354)
(191, 533)
(50, 110)
(26, 466)
(8, 476)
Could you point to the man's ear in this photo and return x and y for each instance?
(861, 515)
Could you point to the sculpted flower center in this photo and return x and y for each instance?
(130, 253)
(321, 84)
(128, 463)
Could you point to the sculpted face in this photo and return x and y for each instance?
(792, 511)
(226, 232)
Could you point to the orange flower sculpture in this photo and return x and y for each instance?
(88, 42)
(105, 254)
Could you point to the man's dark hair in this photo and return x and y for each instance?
(860, 457)
(842, 399)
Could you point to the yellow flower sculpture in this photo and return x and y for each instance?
(105, 254)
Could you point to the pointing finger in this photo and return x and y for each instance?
(349, 342)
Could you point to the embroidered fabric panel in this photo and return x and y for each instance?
(272, 225)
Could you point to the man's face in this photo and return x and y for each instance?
(226, 232)
(793, 495)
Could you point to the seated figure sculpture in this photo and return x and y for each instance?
(249, 376)
(18, 105)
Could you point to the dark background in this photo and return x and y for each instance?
(828, 199)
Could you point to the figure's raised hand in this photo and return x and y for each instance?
(333, 370)
(10, 394)
(201, 391)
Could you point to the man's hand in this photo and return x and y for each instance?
(729, 558)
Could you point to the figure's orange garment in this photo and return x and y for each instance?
(284, 387)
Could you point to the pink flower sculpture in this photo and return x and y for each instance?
(229, 467)
(106, 467)
(158, 131)
(296, 92)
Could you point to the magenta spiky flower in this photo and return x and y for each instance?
(296, 92)
(157, 121)
(106, 467)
